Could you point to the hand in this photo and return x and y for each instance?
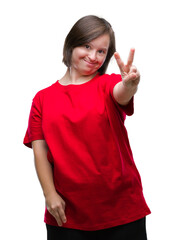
(56, 206)
(129, 73)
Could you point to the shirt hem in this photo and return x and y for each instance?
(103, 226)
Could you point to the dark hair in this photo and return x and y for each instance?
(85, 30)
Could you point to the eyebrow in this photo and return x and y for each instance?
(103, 48)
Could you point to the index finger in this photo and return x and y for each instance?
(131, 57)
(119, 61)
(62, 215)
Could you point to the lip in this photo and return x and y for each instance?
(90, 63)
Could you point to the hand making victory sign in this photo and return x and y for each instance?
(126, 89)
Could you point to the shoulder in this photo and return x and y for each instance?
(108, 81)
(45, 92)
(110, 77)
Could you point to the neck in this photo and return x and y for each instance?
(73, 77)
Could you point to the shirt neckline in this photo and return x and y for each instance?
(77, 85)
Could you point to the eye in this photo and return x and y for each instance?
(101, 51)
(87, 46)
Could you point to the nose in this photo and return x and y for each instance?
(92, 56)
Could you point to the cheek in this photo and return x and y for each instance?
(79, 52)
(77, 55)
(102, 60)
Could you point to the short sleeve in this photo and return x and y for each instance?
(126, 109)
(34, 130)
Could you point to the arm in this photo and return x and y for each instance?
(55, 204)
(125, 90)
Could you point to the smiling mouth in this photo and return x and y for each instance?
(90, 63)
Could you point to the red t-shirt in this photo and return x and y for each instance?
(93, 166)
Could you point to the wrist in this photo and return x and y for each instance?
(50, 192)
(123, 94)
(129, 88)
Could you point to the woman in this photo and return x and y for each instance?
(82, 154)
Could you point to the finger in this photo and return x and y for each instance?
(57, 214)
(130, 57)
(62, 215)
(119, 61)
(133, 69)
(133, 78)
(58, 218)
(59, 222)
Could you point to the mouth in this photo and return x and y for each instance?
(90, 63)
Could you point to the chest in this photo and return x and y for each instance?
(75, 109)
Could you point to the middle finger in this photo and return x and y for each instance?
(131, 57)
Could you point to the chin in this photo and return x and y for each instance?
(89, 72)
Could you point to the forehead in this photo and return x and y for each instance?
(101, 41)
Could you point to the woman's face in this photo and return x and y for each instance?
(88, 58)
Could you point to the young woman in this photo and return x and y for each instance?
(82, 154)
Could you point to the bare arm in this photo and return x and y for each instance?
(125, 90)
(55, 204)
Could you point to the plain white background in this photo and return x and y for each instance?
(32, 37)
